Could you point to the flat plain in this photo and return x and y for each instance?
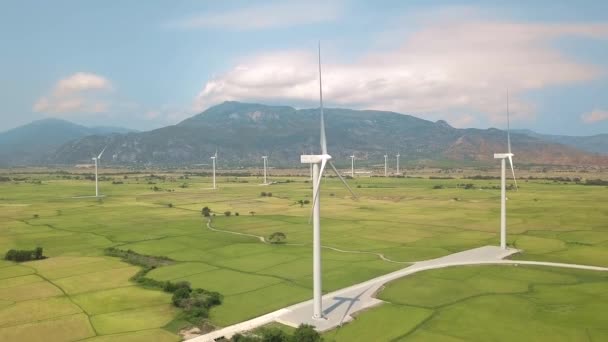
(78, 293)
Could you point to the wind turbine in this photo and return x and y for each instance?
(96, 159)
(503, 189)
(318, 163)
(352, 166)
(265, 158)
(213, 158)
(385, 165)
(398, 156)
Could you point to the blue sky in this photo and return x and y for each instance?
(146, 66)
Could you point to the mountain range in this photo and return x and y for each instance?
(33, 143)
(243, 132)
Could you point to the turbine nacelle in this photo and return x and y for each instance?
(502, 155)
(314, 158)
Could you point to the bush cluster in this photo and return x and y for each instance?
(194, 302)
(304, 333)
(20, 255)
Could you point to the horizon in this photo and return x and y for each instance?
(147, 67)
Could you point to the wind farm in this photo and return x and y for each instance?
(304, 172)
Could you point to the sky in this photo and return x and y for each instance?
(145, 65)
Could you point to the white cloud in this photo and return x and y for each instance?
(596, 115)
(462, 66)
(79, 93)
(278, 14)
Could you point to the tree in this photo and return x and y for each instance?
(274, 335)
(179, 295)
(38, 253)
(306, 333)
(236, 214)
(252, 213)
(206, 211)
(301, 203)
(277, 237)
(263, 194)
(227, 213)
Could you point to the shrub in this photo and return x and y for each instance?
(236, 214)
(227, 213)
(170, 205)
(277, 237)
(306, 333)
(206, 211)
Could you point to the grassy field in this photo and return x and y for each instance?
(79, 289)
(487, 303)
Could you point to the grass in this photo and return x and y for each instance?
(403, 219)
(488, 303)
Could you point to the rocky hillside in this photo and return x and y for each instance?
(243, 132)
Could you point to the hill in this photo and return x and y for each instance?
(34, 142)
(243, 132)
(594, 144)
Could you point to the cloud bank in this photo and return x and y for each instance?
(81, 92)
(462, 67)
(594, 116)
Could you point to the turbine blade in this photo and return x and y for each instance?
(508, 126)
(99, 156)
(318, 187)
(343, 180)
(323, 138)
(513, 171)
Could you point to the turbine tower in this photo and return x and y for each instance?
(503, 189)
(96, 159)
(398, 156)
(352, 166)
(318, 163)
(265, 158)
(213, 158)
(385, 165)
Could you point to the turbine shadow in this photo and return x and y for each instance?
(339, 301)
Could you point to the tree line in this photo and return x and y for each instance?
(20, 255)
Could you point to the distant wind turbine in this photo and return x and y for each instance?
(213, 158)
(97, 159)
(503, 189)
(265, 158)
(398, 156)
(318, 163)
(385, 165)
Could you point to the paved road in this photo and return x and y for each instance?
(342, 304)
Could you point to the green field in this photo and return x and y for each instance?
(487, 303)
(79, 293)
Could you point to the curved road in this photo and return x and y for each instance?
(342, 304)
(263, 240)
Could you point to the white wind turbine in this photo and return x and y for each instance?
(385, 165)
(97, 159)
(265, 158)
(398, 156)
(318, 163)
(352, 166)
(213, 158)
(503, 189)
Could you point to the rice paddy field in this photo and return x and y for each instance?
(79, 294)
